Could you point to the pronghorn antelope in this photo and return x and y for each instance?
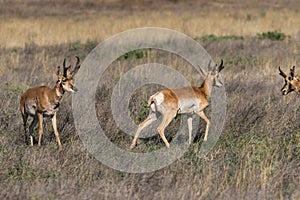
(184, 100)
(292, 82)
(42, 101)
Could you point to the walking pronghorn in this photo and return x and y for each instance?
(184, 100)
(42, 101)
(292, 82)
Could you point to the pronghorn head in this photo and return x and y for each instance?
(292, 81)
(212, 76)
(66, 79)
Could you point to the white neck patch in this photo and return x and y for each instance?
(58, 93)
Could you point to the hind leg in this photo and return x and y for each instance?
(31, 127)
(25, 117)
(167, 118)
(151, 118)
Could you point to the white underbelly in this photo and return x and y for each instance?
(51, 110)
(188, 106)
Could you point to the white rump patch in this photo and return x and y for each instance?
(159, 98)
(152, 106)
(31, 107)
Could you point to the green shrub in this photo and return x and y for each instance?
(212, 38)
(141, 115)
(75, 46)
(272, 35)
(137, 54)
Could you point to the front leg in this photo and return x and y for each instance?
(203, 116)
(55, 130)
(40, 117)
(190, 126)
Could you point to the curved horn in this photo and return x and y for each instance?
(65, 68)
(77, 66)
(281, 73)
(292, 71)
(64, 63)
(221, 66)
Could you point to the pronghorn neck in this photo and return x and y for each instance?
(297, 84)
(206, 87)
(59, 90)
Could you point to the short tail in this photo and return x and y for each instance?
(153, 106)
(22, 106)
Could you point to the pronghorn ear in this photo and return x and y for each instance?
(203, 71)
(58, 71)
(292, 71)
(67, 73)
(59, 75)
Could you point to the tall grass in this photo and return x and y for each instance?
(256, 157)
(47, 30)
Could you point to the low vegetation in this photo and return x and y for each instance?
(258, 153)
(272, 35)
(256, 156)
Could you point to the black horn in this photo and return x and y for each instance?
(292, 71)
(281, 73)
(65, 68)
(77, 66)
(64, 63)
(221, 66)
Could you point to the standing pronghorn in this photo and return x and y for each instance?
(184, 100)
(292, 82)
(42, 101)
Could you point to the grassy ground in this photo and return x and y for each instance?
(257, 155)
(59, 22)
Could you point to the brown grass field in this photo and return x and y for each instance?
(258, 153)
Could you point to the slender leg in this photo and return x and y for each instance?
(167, 118)
(25, 117)
(203, 116)
(151, 118)
(40, 117)
(31, 127)
(190, 126)
(55, 130)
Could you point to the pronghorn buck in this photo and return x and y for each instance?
(292, 82)
(184, 100)
(42, 101)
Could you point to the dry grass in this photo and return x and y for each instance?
(15, 32)
(256, 157)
